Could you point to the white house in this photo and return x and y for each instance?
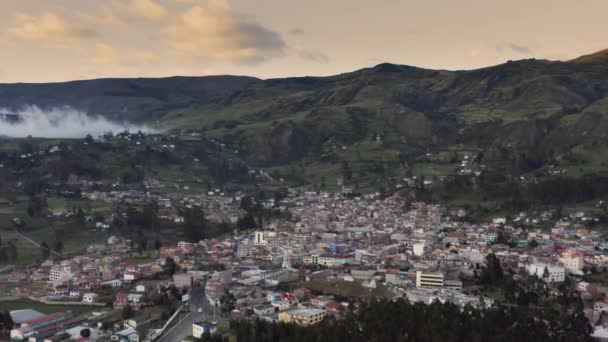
(547, 272)
(200, 328)
(135, 298)
(90, 297)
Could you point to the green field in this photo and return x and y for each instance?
(46, 308)
(74, 242)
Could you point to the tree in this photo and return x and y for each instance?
(195, 224)
(6, 321)
(492, 274)
(58, 247)
(170, 266)
(11, 252)
(86, 333)
(533, 243)
(89, 139)
(246, 222)
(45, 251)
(127, 312)
(157, 245)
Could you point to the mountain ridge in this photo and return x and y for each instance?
(359, 124)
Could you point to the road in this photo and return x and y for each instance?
(183, 328)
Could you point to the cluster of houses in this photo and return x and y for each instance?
(420, 251)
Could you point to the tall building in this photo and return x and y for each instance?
(260, 239)
(429, 279)
(573, 262)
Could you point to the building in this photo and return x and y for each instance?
(418, 248)
(302, 316)
(333, 260)
(128, 334)
(549, 273)
(45, 326)
(90, 297)
(182, 280)
(260, 239)
(200, 328)
(135, 298)
(60, 274)
(573, 262)
(429, 279)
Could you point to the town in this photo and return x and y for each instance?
(315, 257)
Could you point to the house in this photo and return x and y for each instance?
(130, 277)
(549, 273)
(90, 297)
(302, 316)
(182, 280)
(263, 310)
(135, 298)
(121, 299)
(200, 328)
(61, 290)
(128, 334)
(74, 292)
(17, 276)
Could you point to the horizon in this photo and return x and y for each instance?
(304, 76)
(165, 38)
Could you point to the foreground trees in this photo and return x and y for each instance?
(404, 321)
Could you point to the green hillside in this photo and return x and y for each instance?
(501, 133)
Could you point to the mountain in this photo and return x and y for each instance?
(138, 99)
(525, 121)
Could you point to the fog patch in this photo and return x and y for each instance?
(63, 122)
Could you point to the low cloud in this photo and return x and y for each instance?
(63, 122)
(522, 49)
(215, 31)
(296, 31)
(49, 27)
(312, 55)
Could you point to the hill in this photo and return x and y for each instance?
(502, 133)
(138, 99)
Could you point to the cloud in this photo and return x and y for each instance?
(148, 9)
(125, 12)
(217, 32)
(312, 55)
(62, 122)
(49, 27)
(296, 31)
(522, 49)
(483, 53)
(106, 54)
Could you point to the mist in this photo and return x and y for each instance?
(63, 122)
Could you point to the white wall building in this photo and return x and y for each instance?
(573, 263)
(547, 272)
(429, 279)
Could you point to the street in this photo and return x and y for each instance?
(183, 328)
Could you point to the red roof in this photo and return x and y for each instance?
(46, 318)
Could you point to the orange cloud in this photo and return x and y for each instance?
(124, 12)
(106, 54)
(216, 32)
(49, 27)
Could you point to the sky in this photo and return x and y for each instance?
(59, 40)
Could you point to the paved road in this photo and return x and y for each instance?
(183, 328)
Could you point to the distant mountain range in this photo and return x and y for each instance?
(136, 99)
(551, 113)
